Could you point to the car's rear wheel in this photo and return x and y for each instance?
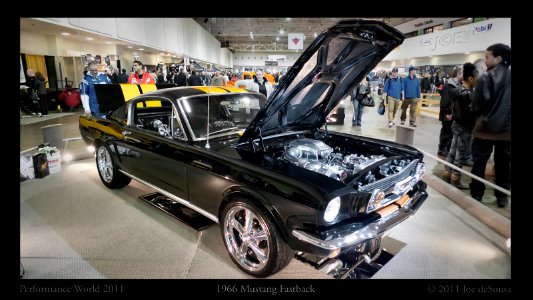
(108, 170)
(253, 240)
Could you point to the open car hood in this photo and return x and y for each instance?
(336, 61)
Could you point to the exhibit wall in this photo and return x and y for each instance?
(177, 35)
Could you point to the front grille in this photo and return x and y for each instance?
(385, 183)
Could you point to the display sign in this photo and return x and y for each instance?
(277, 57)
(296, 41)
(271, 63)
(422, 23)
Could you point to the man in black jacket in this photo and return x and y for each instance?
(445, 114)
(462, 126)
(492, 107)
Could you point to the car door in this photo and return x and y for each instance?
(151, 151)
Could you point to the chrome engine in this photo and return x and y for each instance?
(316, 156)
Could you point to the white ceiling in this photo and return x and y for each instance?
(234, 33)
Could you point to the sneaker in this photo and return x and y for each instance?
(413, 125)
(359, 124)
(502, 202)
(478, 198)
(390, 124)
(442, 153)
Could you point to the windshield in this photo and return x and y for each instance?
(227, 112)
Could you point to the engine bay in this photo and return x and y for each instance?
(342, 163)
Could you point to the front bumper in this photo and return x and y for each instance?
(348, 239)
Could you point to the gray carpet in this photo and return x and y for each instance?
(35, 119)
(72, 226)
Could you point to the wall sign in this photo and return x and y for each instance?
(296, 41)
(271, 63)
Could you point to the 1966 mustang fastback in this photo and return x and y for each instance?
(266, 170)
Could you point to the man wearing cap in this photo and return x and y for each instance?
(393, 89)
(411, 92)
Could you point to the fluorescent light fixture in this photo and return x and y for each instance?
(281, 31)
(108, 43)
(431, 56)
(89, 38)
(288, 19)
(130, 47)
(141, 49)
(467, 52)
(315, 35)
(65, 33)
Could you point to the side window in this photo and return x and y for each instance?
(177, 126)
(153, 115)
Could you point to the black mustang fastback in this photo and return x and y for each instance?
(265, 169)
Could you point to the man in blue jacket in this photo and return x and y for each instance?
(88, 94)
(393, 89)
(411, 90)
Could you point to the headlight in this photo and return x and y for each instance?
(420, 170)
(332, 210)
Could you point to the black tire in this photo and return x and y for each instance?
(107, 169)
(277, 253)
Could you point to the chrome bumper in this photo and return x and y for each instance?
(370, 231)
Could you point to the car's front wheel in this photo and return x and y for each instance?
(253, 240)
(108, 170)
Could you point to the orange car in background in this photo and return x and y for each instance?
(250, 75)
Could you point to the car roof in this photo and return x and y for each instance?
(180, 92)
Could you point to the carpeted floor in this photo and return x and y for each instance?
(72, 226)
(35, 119)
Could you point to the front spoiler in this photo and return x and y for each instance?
(348, 240)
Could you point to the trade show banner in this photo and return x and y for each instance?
(467, 38)
(296, 41)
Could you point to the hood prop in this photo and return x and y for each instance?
(260, 139)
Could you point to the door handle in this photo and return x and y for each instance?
(202, 165)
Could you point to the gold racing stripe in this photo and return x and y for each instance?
(129, 91)
(146, 88)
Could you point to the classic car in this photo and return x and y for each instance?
(268, 172)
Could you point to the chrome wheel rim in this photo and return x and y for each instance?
(105, 165)
(246, 235)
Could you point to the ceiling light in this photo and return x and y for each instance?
(108, 43)
(161, 53)
(467, 52)
(65, 33)
(89, 38)
(281, 31)
(277, 38)
(315, 35)
(174, 56)
(131, 47)
(431, 56)
(288, 19)
(141, 49)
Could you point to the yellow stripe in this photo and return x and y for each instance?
(210, 90)
(235, 89)
(129, 90)
(148, 88)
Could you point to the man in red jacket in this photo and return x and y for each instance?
(139, 76)
(70, 97)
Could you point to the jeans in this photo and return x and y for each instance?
(458, 154)
(446, 135)
(481, 151)
(357, 112)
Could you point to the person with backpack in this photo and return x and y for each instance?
(462, 125)
(392, 91)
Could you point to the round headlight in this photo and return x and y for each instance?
(332, 210)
